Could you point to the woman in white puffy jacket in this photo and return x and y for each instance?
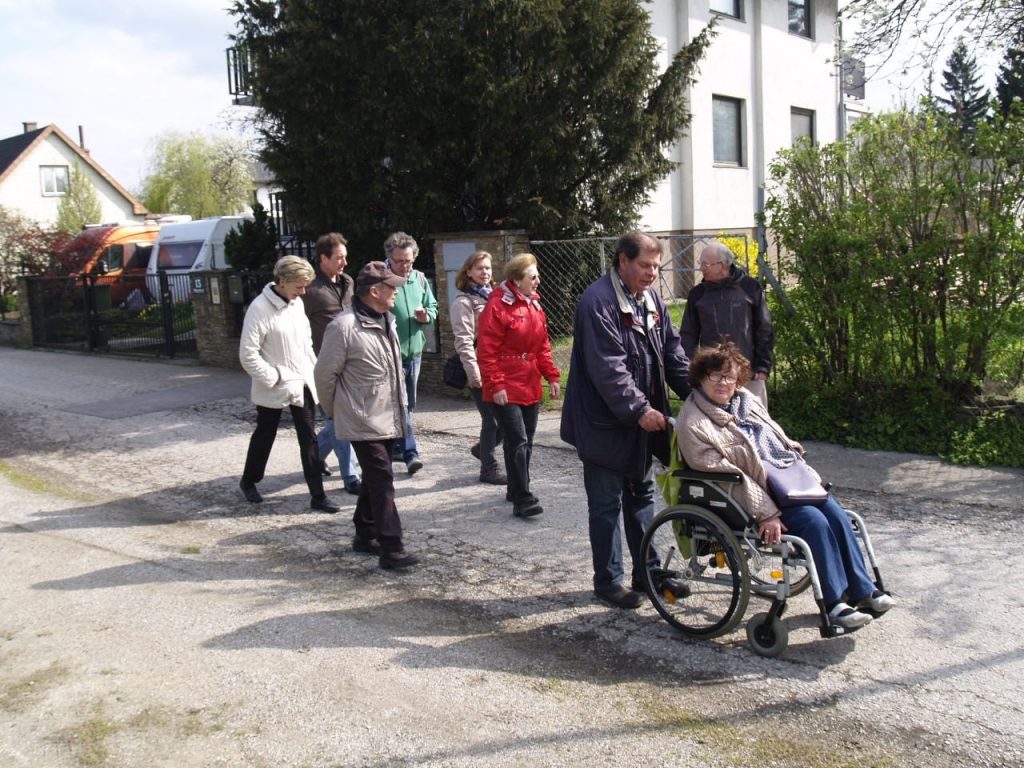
(276, 350)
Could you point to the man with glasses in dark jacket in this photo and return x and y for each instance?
(729, 305)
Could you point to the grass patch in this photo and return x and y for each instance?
(88, 740)
(23, 479)
(19, 693)
(751, 747)
(190, 550)
(34, 484)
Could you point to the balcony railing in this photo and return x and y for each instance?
(240, 69)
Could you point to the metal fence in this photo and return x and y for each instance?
(567, 267)
(148, 315)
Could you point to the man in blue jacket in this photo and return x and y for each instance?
(625, 355)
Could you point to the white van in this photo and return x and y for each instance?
(193, 246)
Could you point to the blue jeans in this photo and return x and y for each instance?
(327, 440)
(837, 556)
(411, 368)
(518, 423)
(610, 494)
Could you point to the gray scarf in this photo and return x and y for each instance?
(769, 447)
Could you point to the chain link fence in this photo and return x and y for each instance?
(567, 267)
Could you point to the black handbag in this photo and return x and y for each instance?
(454, 374)
(795, 485)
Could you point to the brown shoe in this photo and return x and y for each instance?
(397, 560)
(493, 476)
(366, 546)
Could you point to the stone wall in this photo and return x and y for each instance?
(217, 322)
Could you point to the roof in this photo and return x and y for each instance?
(15, 149)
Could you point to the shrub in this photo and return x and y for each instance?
(995, 438)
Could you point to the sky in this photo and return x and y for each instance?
(128, 71)
(125, 70)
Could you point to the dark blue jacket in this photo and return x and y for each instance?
(610, 383)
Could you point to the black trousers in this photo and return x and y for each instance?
(518, 424)
(376, 516)
(262, 441)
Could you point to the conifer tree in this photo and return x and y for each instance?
(253, 244)
(1010, 79)
(966, 101)
(454, 115)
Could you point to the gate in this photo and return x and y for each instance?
(144, 315)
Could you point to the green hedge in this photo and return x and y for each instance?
(911, 417)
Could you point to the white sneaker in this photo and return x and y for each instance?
(877, 602)
(847, 617)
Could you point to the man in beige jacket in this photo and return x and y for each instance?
(360, 383)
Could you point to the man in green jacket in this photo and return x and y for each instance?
(414, 307)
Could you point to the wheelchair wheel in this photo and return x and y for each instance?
(765, 568)
(767, 634)
(696, 575)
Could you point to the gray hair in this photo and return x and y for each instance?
(293, 269)
(400, 240)
(721, 250)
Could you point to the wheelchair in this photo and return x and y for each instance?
(705, 559)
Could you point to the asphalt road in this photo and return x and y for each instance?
(150, 617)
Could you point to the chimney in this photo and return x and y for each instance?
(81, 139)
(29, 127)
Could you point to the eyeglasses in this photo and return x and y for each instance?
(706, 264)
(721, 378)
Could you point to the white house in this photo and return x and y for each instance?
(35, 169)
(769, 76)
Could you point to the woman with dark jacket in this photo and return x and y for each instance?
(514, 353)
(475, 285)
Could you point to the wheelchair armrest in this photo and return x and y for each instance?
(714, 477)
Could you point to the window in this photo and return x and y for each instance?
(800, 17)
(727, 8)
(55, 179)
(140, 256)
(114, 256)
(727, 123)
(178, 255)
(801, 122)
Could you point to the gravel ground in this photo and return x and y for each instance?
(150, 617)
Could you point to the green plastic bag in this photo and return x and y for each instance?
(668, 484)
(670, 487)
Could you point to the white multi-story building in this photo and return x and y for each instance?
(769, 76)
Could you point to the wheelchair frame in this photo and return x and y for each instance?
(705, 559)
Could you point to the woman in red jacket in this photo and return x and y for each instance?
(514, 352)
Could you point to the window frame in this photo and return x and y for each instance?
(812, 117)
(738, 141)
(807, 30)
(49, 180)
(737, 12)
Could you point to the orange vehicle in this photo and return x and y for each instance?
(114, 255)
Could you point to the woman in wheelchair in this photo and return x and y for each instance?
(723, 428)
